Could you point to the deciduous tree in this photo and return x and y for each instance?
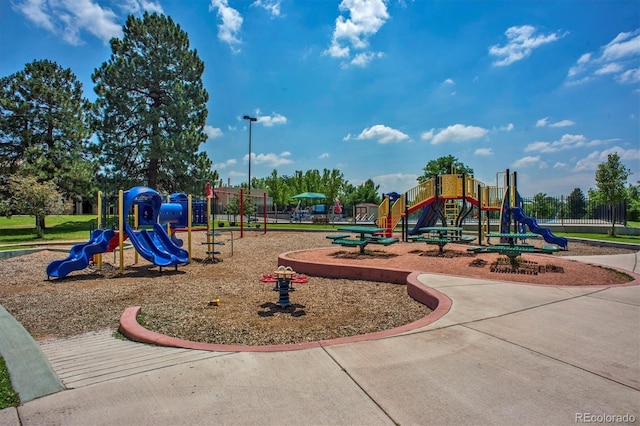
(443, 166)
(611, 177)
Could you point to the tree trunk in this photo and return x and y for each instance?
(613, 221)
(152, 173)
(40, 226)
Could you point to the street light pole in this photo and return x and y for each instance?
(251, 120)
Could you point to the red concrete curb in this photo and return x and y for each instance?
(438, 302)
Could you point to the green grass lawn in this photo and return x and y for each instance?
(8, 397)
(21, 229)
(634, 239)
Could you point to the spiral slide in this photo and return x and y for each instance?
(532, 223)
(81, 254)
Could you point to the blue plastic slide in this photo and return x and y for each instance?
(150, 246)
(532, 223)
(80, 254)
(428, 217)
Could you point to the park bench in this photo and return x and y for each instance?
(440, 242)
(381, 240)
(338, 236)
(345, 242)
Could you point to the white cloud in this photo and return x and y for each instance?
(483, 152)
(580, 64)
(395, 182)
(630, 76)
(362, 59)
(139, 6)
(528, 162)
(591, 161)
(458, 133)
(271, 159)
(509, 127)
(521, 42)
(323, 155)
(449, 82)
(229, 28)
(271, 120)
(560, 165)
(68, 18)
(271, 6)
(383, 134)
(366, 17)
(562, 123)
(611, 68)
(224, 165)
(623, 45)
(618, 58)
(347, 138)
(212, 132)
(542, 122)
(425, 136)
(566, 142)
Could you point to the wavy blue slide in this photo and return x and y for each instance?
(519, 215)
(156, 246)
(80, 254)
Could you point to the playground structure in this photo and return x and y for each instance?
(452, 199)
(152, 234)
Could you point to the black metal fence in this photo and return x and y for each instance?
(573, 210)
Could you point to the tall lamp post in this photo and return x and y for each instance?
(251, 120)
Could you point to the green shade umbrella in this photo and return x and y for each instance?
(309, 196)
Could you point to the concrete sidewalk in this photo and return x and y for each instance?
(504, 354)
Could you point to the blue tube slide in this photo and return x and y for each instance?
(148, 246)
(153, 245)
(532, 223)
(80, 254)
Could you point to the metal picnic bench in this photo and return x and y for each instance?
(366, 235)
(440, 236)
(511, 249)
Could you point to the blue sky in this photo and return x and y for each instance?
(378, 88)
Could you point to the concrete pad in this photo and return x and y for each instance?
(30, 371)
(460, 376)
(480, 299)
(628, 261)
(301, 387)
(630, 295)
(593, 334)
(9, 417)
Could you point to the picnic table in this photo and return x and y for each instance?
(364, 235)
(512, 249)
(440, 236)
(511, 237)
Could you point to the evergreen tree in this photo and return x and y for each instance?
(44, 128)
(151, 107)
(576, 204)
